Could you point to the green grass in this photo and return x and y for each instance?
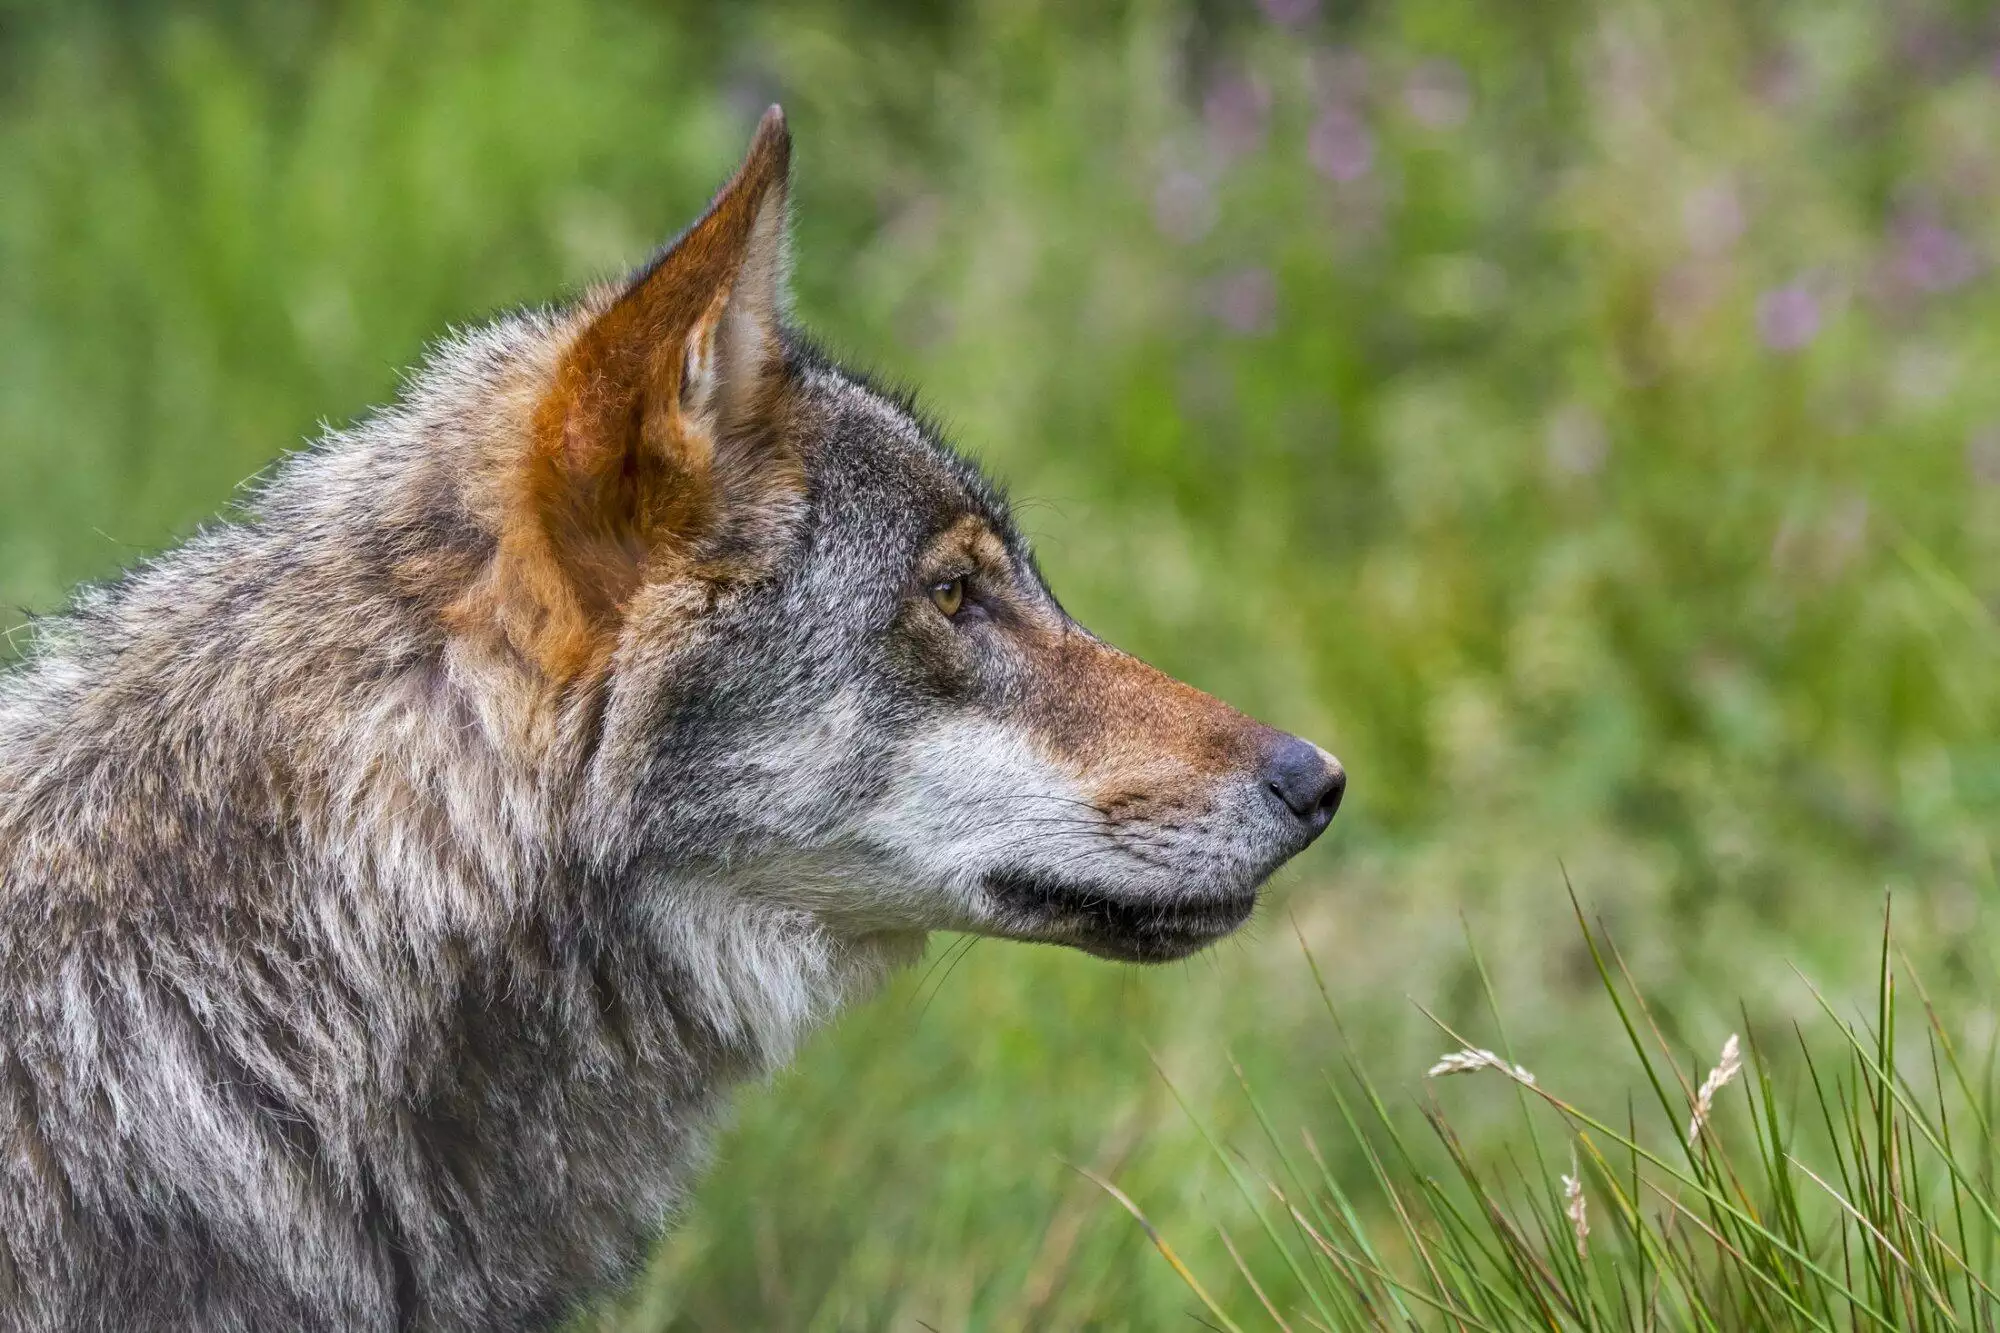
(1854, 1189)
(1579, 417)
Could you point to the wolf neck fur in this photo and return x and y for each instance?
(375, 965)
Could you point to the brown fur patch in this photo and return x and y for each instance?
(655, 430)
(1134, 735)
(968, 547)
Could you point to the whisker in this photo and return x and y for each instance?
(923, 980)
(1037, 796)
(971, 942)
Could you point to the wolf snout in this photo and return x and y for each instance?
(1305, 781)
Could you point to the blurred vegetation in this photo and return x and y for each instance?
(1582, 418)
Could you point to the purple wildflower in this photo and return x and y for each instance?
(1236, 108)
(1781, 80)
(1930, 257)
(1246, 301)
(1339, 146)
(1788, 317)
(1289, 13)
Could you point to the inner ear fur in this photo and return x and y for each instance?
(655, 448)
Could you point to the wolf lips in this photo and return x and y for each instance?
(1122, 926)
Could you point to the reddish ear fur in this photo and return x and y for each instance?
(653, 430)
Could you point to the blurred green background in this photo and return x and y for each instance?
(1585, 419)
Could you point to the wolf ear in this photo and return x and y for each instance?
(652, 440)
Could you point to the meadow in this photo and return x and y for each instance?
(1582, 418)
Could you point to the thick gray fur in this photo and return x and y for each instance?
(342, 990)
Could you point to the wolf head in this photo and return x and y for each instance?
(819, 667)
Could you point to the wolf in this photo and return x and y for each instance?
(395, 880)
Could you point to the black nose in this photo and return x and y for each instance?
(1307, 780)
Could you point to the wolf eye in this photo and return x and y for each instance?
(948, 596)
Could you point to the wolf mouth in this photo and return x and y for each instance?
(1116, 925)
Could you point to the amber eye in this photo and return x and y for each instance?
(948, 596)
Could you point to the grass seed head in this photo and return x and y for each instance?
(1718, 1078)
(1574, 1207)
(1469, 1059)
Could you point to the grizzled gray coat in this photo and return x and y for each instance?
(392, 881)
